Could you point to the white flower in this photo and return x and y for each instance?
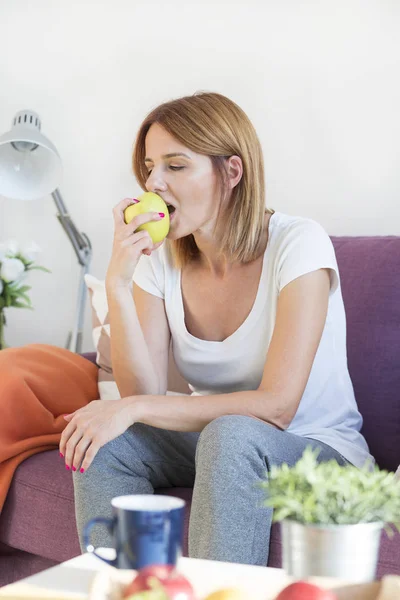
(9, 249)
(1, 287)
(30, 251)
(11, 269)
(12, 248)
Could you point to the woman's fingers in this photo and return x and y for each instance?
(89, 455)
(92, 426)
(128, 230)
(141, 240)
(118, 210)
(129, 243)
(80, 453)
(153, 247)
(66, 434)
(71, 444)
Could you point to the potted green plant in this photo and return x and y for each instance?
(332, 516)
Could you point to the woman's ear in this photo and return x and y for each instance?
(234, 170)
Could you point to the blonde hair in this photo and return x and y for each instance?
(211, 124)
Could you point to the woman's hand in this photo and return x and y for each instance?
(92, 426)
(129, 245)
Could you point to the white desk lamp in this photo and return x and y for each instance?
(30, 168)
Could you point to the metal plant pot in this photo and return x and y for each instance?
(349, 552)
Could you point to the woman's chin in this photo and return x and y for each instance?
(177, 231)
(174, 231)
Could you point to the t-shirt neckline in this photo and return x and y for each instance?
(252, 317)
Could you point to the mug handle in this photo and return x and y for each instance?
(86, 537)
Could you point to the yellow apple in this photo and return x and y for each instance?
(150, 202)
(228, 594)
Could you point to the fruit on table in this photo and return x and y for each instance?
(228, 594)
(159, 582)
(302, 590)
(150, 202)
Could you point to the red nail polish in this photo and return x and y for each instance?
(162, 215)
(135, 200)
(62, 455)
(82, 471)
(73, 468)
(67, 467)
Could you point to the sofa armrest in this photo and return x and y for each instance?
(89, 356)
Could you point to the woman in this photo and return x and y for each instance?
(251, 299)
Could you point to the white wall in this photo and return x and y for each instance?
(320, 80)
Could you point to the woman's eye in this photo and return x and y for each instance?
(171, 167)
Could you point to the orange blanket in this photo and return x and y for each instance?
(38, 384)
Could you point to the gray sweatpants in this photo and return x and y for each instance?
(223, 463)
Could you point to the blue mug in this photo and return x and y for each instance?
(146, 530)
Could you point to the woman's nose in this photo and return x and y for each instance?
(155, 183)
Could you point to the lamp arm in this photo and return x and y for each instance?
(79, 241)
(83, 251)
(59, 202)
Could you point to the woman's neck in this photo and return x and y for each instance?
(218, 264)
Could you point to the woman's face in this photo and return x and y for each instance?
(185, 180)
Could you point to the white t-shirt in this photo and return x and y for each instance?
(296, 246)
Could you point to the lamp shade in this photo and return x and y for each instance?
(30, 166)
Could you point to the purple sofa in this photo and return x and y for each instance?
(37, 524)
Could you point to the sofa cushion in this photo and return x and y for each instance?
(17, 564)
(370, 280)
(39, 516)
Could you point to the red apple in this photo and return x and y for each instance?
(302, 590)
(160, 578)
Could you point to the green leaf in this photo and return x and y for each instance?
(29, 268)
(12, 291)
(7, 296)
(328, 493)
(24, 288)
(18, 304)
(13, 285)
(26, 298)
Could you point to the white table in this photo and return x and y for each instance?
(71, 580)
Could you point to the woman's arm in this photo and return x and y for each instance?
(300, 320)
(139, 330)
(140, 340)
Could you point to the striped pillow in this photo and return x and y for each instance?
(108, 389)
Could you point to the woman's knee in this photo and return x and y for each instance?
(111, 459)
(100, 470)
(228, 435)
